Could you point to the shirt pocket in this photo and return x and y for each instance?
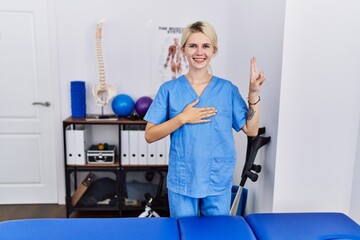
(223, 119)
(175, 109)
(221, 172)
(176, 170)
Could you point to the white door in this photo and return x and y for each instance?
(27, 161)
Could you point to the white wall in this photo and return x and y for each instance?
(257, 30)
(355, 197)
(319, 107)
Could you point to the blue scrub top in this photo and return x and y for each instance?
(202, 156)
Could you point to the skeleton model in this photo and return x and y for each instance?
(102, 93)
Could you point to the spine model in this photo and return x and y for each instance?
(102, 93)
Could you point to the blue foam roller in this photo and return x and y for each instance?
(78, 99)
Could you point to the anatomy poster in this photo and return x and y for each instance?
(167, 59)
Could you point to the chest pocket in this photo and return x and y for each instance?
(175, 108)
(223, 119)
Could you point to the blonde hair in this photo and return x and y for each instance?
(203, 27)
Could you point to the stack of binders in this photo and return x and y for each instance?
(77, 142)
(136, 151)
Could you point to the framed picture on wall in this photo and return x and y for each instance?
(167, 60)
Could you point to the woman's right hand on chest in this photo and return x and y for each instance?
(193, 115)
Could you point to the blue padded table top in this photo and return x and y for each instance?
(303, 226)
(215, 228)
(90, 229)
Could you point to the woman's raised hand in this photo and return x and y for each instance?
(256, 78)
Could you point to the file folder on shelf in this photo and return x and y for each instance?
(125, 154)
(167, 150)
(134, 147)
(136, 151)
(158, 152)
(77, 142)
(161, 152)
(70, 145)
(143, 148)
(82, 143)
(152, 154)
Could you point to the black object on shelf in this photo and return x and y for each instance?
(99, 190)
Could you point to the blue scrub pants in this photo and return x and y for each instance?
(183, 206)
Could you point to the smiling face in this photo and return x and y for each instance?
(199, 51)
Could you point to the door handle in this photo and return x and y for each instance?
(45, 104)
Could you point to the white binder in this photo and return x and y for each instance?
(125, 148)
(143, 145)
(82, 143)
(70, 145)
(134, 147)
(151, 159)
(161, 152)
(167, 150)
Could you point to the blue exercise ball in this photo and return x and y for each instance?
(123, 105)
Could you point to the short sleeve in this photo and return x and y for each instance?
(240, 110)
(158, 110)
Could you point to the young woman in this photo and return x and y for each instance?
(200, 110)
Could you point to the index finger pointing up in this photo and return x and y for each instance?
(253, 68)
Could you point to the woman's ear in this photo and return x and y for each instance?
(215, 51)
